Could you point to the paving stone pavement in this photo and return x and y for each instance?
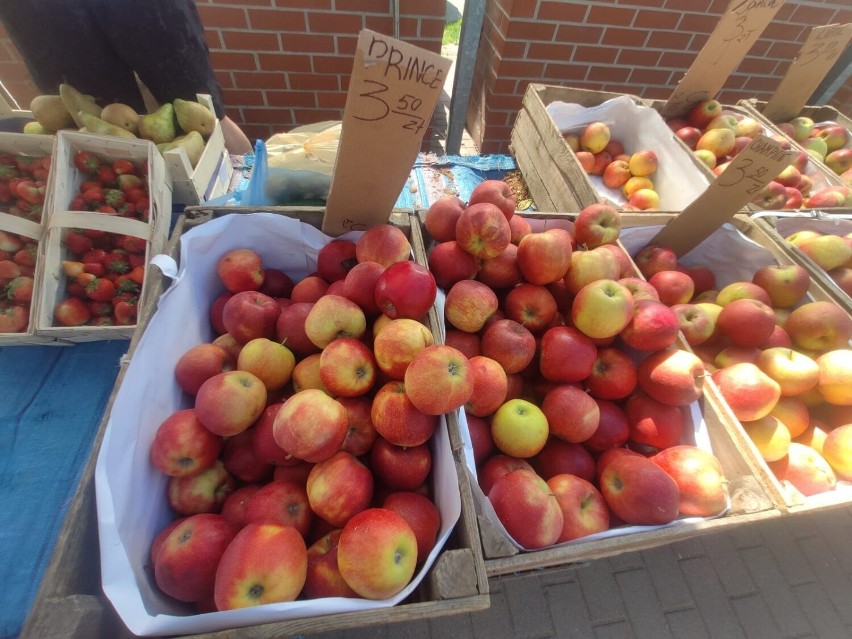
(788, 577)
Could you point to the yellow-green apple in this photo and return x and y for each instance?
(613, 375)
(265, 563)
(672, 376)
(735, 354)
(613, 428)
(290, 329)
(527, 508)
(652, 259)
(281, 502)
(689, 135)
(835, 136)
(240, 270)
(230, 402)
(837, 450)
(639, 492)
(571, 414)
(602, 309)
(819, 326)
(559, 457)
(498, 465)
(835, 376)
(501, 271)
(816, 148)
(634, 184)
(591, 265)
(496, 192)
(584, 511)
(566, 355)
(200, 363)
(644, 199)
(510, 344)
(805, 469)
(786, 284)
(706, 157)
(483, 230)
(339, 487)
(182, 446)
(306, 375)
(839, 160)
(654, 326)
(490, 386)
(359, 285)
(438, 380)
(308, 289)
(695, 322)
(519, 227)
(703, 112)
(397, 344)
(450, 263)
(234, 507)
(772, 196)
(770, 436)
(643, 163)
(746, 322)
(405, 289)
(334, 316)
(640, 289)
(240, 460)
(802, 127)
(396, 418)
(186, 558)
(323, 578)
(311, 426)
(725, 120)
(422, 515)
(532, 305)
(842, 277)
(748, 127)
(250, 314)
(673, 287)
(749, 392)
(718, 141)
(793, 413)
(400, 467)
(203, 492)
(468, 343)
(335, 259)
(347, 367)
(377, 553)
(271, 362)
(700, 479)
(544, 257)
(586, 161)
(794, 372)
(519, 428)
(383, 243)
(594, 137)
(469, 305)
(827, 251)
(616, 174)
(653, 423)
(742, 290)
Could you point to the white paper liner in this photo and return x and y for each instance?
(677, 180)
(131, 499)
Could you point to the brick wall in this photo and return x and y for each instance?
(632, 46)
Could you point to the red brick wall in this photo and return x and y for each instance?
(635, 46)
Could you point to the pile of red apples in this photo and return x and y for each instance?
(631, 173)
(579, 418)
(832, 253)
(827, 142)
(304, 467)
(781, 361)
(716, 135)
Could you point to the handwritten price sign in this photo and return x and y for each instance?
(738, 29)
(746, 176)
(393, 92)
(821, 50)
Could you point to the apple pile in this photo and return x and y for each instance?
(17, 272)
(832, 253)
(578, 419)
(828, 142)
(303, 468)
(781, 362)
(716, 135)
(599, 154)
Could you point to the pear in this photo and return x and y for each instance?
(50, 112)
(121, 115)
(192, 116)
(159, 126)
(75, 102)
(192, 143)
(36, 128)
(94, 124)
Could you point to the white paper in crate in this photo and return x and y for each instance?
(677, 180)
(131, 499)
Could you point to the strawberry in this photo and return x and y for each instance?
(75, 290)
(72, 269)
(134, 195)
(95, 268)
(14, 319)
(106, 210)
(87, 162)
(28, 271)
(100, 308)
(26, 256)
(123, 167)
(85, 278)
(126, 182)
(71, 311)
(6, 192)
(7, 159)
(117, 262)
(20, 289)
(137, 260)
(24, 162)
(76, 242)
(31, 192)
(137, 274)
(100, 290)
(106, 176)
(8, 172)
(9, 270)
(113, 198)
(40, 173)
(78, 204)
(94, 255)
(94, 196)
(89, 184)
(10, 242)
(125, 210)
(131, 244)
(125, 313)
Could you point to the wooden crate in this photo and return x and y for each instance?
(553, 175)
(70, 603)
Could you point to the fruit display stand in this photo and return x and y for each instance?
(71, 588)
(554, 176)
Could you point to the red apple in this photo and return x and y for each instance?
(805, 469)
(240, 460)
(501, 271)
(746, 322)
(441, 217)
(483, 230)
(544, 258)
(230, 402)
(613, 428)
(653, 423)
(336, 259)
(469, 305)
(339, 487)
(673, 287)
(750, 393)
(405, 289)
(384, 244)
(527, 508)
(449, 263)
(652, 259)
(276, 283)
(203, 492)
(290, 329)
(235, 504)
(199, 364)
(496, 192)
(672, 376)
(819, 326)
(566, 355)
(359, 285)
(640, 492)
(422, 515)
(323, 578)
(699, 477)
(531, 305)
(613, 375)
(334, 316)
(396, 418)
(490, 386)
(347, 367)
(509, 343)
(571, 414)
(584, 511)
(281, 502)
(397, 343)
(240, 270)
(438, 380)
(311, 426)
(695, 322)
(653, 327)
(182, 446)
(249, 314)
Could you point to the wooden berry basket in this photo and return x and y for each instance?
(70, 603)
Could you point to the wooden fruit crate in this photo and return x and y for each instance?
(70, 603)
(64, 183)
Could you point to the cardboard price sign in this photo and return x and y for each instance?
(819, 53)
(738, 29)
(744, 178)
(392, 94)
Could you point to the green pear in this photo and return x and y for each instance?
(50, 112)
(159, 126)
(94, 124)
(75, 102)
(192, 116)
(37, 128)
(121, 115)
(192, 143)
(802, 128)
